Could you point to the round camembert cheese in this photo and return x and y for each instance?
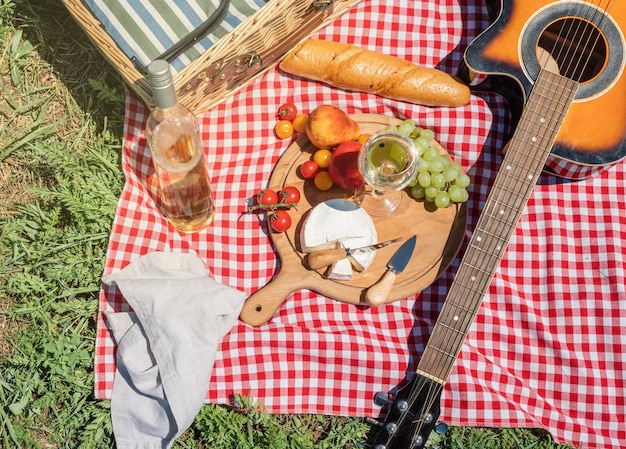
(341, 221)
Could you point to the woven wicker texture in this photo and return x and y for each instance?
(252, 48)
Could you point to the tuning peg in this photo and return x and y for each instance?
(382, 398)
(374, 422)
(442, 428)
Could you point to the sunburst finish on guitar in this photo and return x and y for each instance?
(528, 35)
(568, 58)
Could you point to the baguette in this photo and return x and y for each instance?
(353, 68)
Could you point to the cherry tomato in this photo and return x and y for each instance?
(287, 111)
(300, 122)
(284, 129)
(280, 221)
(323, 181)
(267, 197)
(309, 169)
(322, 158)
(289, 194)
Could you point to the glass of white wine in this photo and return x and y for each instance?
(388, 162)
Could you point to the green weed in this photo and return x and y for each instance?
(249, 426)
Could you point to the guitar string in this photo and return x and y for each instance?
(597, 17)
(552, 54)
(566, 37)
(605, 15)
(432, 395)
(435, 388)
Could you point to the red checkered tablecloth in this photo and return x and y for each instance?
(547, 348)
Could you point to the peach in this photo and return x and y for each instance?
(343, 168)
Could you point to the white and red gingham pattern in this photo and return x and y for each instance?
(547, 348)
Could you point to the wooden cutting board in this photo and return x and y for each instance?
(439, 236)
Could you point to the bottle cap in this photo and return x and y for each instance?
(159, 73)
(161, 82)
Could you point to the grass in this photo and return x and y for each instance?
(61, 111)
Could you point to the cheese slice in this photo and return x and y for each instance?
(341, 221)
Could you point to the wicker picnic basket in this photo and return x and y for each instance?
(254, 46)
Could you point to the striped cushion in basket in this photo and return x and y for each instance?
(145, 29)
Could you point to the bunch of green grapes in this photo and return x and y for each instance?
(438, 179)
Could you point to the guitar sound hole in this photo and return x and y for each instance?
(573, 47)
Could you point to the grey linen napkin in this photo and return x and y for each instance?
(166, 347)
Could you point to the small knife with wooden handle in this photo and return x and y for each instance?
(325, 257)
(378, 293)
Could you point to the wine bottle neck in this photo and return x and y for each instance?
(165, 98)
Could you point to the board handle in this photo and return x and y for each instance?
(261, 306)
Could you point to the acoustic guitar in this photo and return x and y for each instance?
(567, 57)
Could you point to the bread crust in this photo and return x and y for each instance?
(353, 68)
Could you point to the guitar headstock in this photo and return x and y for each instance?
(411, 415)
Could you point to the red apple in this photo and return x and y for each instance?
(343, 168)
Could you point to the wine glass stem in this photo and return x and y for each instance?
(376, 194)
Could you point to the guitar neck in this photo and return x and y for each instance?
(523, 162)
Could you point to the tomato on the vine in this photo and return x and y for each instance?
(309, 169)
(289, 195)
(267, 197)
(287, 111)
(280, 220)
(284, 129)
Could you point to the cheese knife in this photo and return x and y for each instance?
(378, 293)
(325, 257)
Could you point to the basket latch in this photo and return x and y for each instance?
(234, 71)
(323, 5)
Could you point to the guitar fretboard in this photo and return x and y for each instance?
(523, 162)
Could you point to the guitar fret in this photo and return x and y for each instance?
(541, 132)
(440, 352)
(453, 316)
(535, 140)
(452, 328)
(517, 178)
(472, 288)
(526, 156)
(499, 215)
(490, 241)
(479, 276)
(487, 254)
(515, 168)
(496, 236)
(547, 118)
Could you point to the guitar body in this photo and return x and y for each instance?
(522, 40)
